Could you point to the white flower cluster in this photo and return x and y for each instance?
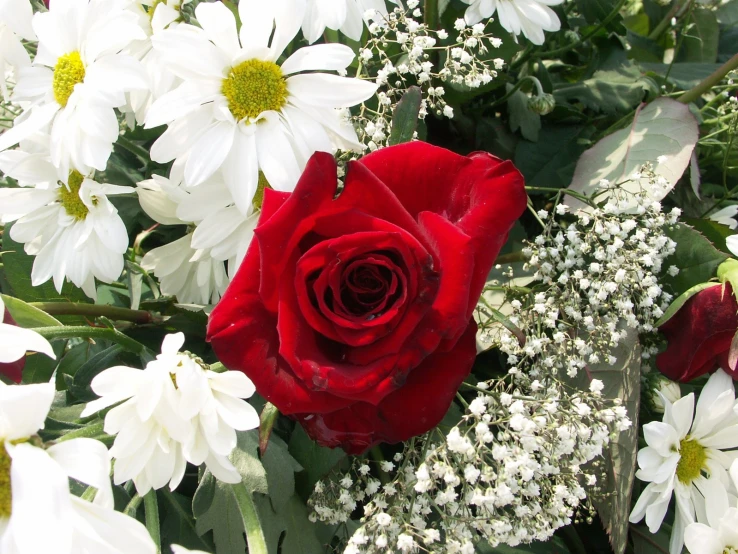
(420, 48)
(599, 269)
(510, 472)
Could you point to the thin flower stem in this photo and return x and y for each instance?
(251, 523)
(68, 332)
(510, 258)
(665, 22)
(95, 310)
(694, 93)
(151, 507)
(132, 507)
(139, 151)
(431, 13)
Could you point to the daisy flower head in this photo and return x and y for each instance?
(684, 457)
(174, 411)
(34, 486)
(239, 110)
(78, 77)
(530, 17)
(347, 16)
(15, 25)
(66, 221)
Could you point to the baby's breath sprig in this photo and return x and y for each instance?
(402, 52)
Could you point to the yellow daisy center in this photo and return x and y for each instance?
(69, 197)
(259, 194)
(68, 71)
(6, 494)
(691, 461)
(253, 87)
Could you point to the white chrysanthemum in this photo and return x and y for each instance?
(531, 17)
(346, 16)
(34, 487)
(77, 80)
(192, 267)
(66, 221)
(720, 535)
(153, 16)
(684, 456)
(15, 24)
(173, 412)
(239, 111)
(16, 341)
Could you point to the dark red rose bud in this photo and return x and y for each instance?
(352, 312)
(12, 370)
(700, 334)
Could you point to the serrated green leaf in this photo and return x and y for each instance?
(405, 118)
(522, 117)
(681, 300)
(289, 527)
(224, 519)
(695, 256)
(246, 460)
(204, 495)
(316, 460)
(280, 469)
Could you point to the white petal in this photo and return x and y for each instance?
(241, 170)
(232, 383)
(220, 26)
(257, 23)
(86, 460)
(16, 341)
(701, 539)
(329, 91)
(209, 152)
(172, 343)
(222, 469)
(276, 157)
(180, 102)
(331, 57)
(237, 413)
(23, 409)
(39, 118)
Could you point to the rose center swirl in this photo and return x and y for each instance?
(253, 87)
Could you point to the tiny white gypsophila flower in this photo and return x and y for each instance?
(174, 411)
(77, 79)
(683, 450)
(531, 17)
(347, 16)
(15, 25)
(239, 111)
(64, 219)
(34, 486)
(16, 341)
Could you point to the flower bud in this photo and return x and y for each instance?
(543, 104)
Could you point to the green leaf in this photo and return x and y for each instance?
(267, 419)
(280, 472)
(645, 542)
(223, 518)
(622, 381)
(39, 368)
(405, 118)
(17, 266)
(596, 11)
(700, 41)
(610, 91)
(522, 117)
(99, 362)
(246, 460)
(665, 127)
(684, 75)
(715, 232)
(681, 300)
(204, 495)
(316, 460)
(73, 361)
(695, 256)
(289, 527)
(26, 315)
(177, 524)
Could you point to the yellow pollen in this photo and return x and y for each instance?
(253, 87)
(259, 194)
(6, 493)
(68, 71)
(69, 196)
(691, 461)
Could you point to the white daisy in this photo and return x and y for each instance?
(77, 79)
(15, 24)
(720, 535)
(684, 456)
(34, 487)
(16, 341)
(66, 221)
(192, 267)
(726, 216)
(347, 16)
(173, 412)
(531, 17)
(238, 110)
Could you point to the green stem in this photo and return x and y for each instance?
(69, 332)
(251, 523)
(510, 258)
(431, 13)
(515, 88)
(151, 506)
(718, 75)
(132, 507)
(139, 151)
(665, 22)
(94, 310)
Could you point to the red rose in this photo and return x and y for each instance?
(352, 310)
(12, 370)
(700, 334)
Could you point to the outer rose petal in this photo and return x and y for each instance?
(412, 410)
(700, 334)
(12, 370)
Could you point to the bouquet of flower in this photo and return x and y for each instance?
(368, 276)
